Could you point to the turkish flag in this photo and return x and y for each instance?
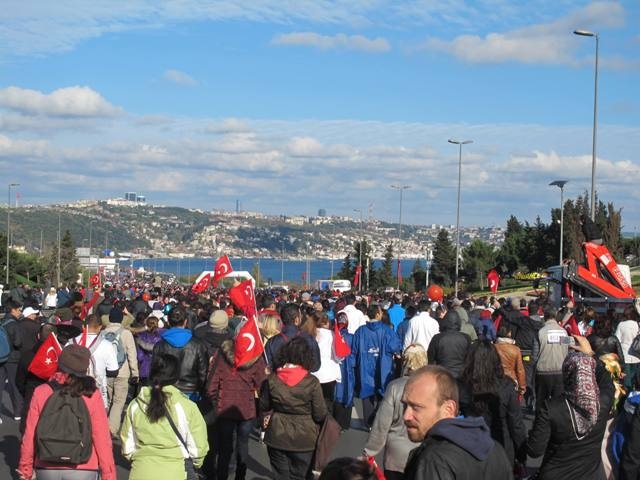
(356, 278)
(242, 297)
(399, 272)
(45, 361)
(222, 268)
(202, 285)
(94, 281)
(340, 346)
(89, 305)
(248, 343)
(493, 279)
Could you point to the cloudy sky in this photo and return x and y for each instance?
(294, 105)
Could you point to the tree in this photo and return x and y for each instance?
(444, 260)
(347, 270)
(385, 274)
(419, 275)
(69, 265)
(477, 259)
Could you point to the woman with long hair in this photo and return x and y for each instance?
(70, 381)
(485, 391)
(511, 357)
(145, 341)
(388, 430)
(293, 408)
(149, 437)
(270, 325)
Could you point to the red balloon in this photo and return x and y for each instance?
(435, 293)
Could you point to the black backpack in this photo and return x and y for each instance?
(63, 433)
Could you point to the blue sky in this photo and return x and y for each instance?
(291, 106)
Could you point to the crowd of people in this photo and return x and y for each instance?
(445, 384)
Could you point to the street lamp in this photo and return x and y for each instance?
(9, 225)
(459, 143)
(359, 210)
(587, 33)
(560, 184)
(401, 188)
(427, 267)
(282, 265)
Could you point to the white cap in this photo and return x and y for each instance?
(30, 311)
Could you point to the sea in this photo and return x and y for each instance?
(273, 271)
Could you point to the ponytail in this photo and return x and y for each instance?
(164, 371)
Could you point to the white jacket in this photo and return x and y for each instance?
(329, 370)
(626, 332)
(422, 328)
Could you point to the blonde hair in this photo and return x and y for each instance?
(414, 358)
(271, 325)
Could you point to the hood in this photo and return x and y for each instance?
(450, 322)
(291, 376)
(228, 349)
(470, 434)
(375, 325)
(177, 337)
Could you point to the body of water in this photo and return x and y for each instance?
(273, 270)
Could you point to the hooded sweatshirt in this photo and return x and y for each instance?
(177, 337)
(461, 449)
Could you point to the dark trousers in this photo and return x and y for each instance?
(223, 445)
(631, 371)
(8, 372)
(369, 409)
(530, 374)
(342, 414)
(287, 465)
(328, 391)
(548, 386)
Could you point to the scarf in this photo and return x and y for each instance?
(581, 392)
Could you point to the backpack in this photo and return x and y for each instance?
(115, 338)
(5, 341)
(63, 433)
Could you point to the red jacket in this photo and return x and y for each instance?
(232, 389)
(102, 454)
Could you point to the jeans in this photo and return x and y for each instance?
(369, 409)
(117, 389)
(42, 474)
(287, 465)
(8, 372)
(328, 390)
(342, 414)
(223, 444)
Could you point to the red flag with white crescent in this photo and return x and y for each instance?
(45, 361)
(222, 269)
(493, 278)
(399, 272)
(248, 343)
(242, 297)
(340, 346)
(202, 285)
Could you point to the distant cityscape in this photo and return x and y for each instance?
(133, 228)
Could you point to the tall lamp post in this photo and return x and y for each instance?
(459, 143)
(401, 188)
(9, 226)
(90, 233)
(587, 33)
(359, 210)
(560, 184)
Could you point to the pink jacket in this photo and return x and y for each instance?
(102, 455)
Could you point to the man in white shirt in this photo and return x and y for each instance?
(104, 361)
(422, 327)
(355, 316)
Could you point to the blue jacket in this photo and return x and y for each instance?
(396, 315)
(373, 347)
(288, 332)
(344, 389)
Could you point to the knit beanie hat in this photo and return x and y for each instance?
(219, 319)
(74, 359)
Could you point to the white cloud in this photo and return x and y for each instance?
(228, 125)
(64, 102)
(546, 43)
(305, 147)
(340, 40)
(179, 78)
(11, 148)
